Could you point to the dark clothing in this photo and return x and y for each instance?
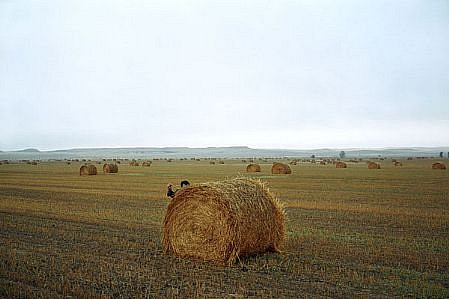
(185, 184)
(170, 193)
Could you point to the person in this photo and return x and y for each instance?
(170, 192)
(185, 183)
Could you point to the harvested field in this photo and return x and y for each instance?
(352, 233)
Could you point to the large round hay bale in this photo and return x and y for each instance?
(222, 221)
(373, 165)
(397, 163)
(146, 163)
(280, 168)
(88, 170)
(253, 168)
(438, 165)
(110, 168)
(340, 164)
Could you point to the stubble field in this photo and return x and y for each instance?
(351, 232)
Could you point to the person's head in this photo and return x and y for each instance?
(169, 186)
(185, 183)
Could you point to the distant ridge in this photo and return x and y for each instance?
(28, 150)
(233, 152)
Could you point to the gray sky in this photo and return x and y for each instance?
(267, 74)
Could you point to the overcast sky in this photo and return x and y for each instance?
(267, 74)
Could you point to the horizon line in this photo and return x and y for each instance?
(231, 146)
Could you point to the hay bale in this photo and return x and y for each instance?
(134, 163)
(373, 165)
(253, 168)
(340, 164)
(88, 170)
(211, 162)
(110, 168)
(438, 165)
(280, 168)
(146, 163)
(397, 164)
(222, 221)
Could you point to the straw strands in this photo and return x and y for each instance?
(222, 221)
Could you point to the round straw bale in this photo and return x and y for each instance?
(397, 163)
(253, 168)
(438, 165)
(146, 163)
(88, 170)
(110, 168)
(280, 168)
(373, 165)
(222, 221)
(340, 164)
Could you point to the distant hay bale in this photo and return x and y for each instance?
(253, 168)
(373, 165)
(146, 163)
(110, 168)
(322, 162)
(221, 162)
(223, 221)
(280, 168)
(340, 164)
(211, 162)
(134, 163)
(438, 165)
(397, 163)
(88, 170)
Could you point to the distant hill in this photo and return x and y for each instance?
(218, 152)
(28, 150)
